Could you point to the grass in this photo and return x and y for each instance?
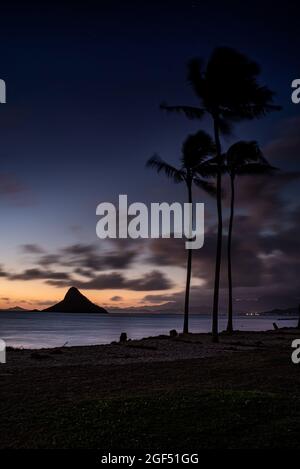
(165, 422)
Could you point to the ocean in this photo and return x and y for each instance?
(39, 330)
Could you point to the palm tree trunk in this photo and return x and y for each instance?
(230, 322)
(299, 317)
(215, 314)
(188, 276)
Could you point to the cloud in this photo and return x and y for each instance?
(116, 298)
(285, 149)
(2, 272)
(88, 256)
(47, 260)
(84, 259)
(89, 273)
(266, 199)
(265, 256)
(154, 280)
(158, 299)
(32, 249)
(38, 274)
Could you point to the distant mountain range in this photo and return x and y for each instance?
(282, 312)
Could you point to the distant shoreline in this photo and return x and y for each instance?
(286, 315)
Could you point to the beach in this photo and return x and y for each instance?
(134, 394)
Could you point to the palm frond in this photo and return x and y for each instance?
(206, 186)
(243, 152)
(211, 167)
(197, 148)
(155, 162)
(255, 169)
(191, 112)
(210, 171)
(238, 95)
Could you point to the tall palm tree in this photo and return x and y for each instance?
(242, 158)
(196, 150)
(228, 91)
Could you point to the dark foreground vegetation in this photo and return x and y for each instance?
(168, 421)
(235, 399)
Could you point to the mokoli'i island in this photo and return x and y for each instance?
(75, 302)
(150, 250)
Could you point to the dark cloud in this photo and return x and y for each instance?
(154, 280)
(200, 300)
(245, 299)
(79, 249)
(285, 149)
(3, 273)
(116, 298)
(89, 273)
(49, 260)
(84, 259)
(265, 256)
(157, 299)
(32, 249)
(38, 274)
(88, 256)
(266, 199)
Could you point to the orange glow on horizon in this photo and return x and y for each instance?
(38, 295)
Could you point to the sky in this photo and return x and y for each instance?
(84, 85)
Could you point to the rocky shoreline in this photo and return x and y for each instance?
(152, 349)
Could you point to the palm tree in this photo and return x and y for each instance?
(196, 150)
(228, 91)
(242, 158)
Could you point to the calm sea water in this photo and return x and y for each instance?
(36, 330)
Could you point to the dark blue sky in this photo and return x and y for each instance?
(84, 84)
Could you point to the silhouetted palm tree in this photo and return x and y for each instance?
(196, 150)
(229, 92)
(242, 158)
